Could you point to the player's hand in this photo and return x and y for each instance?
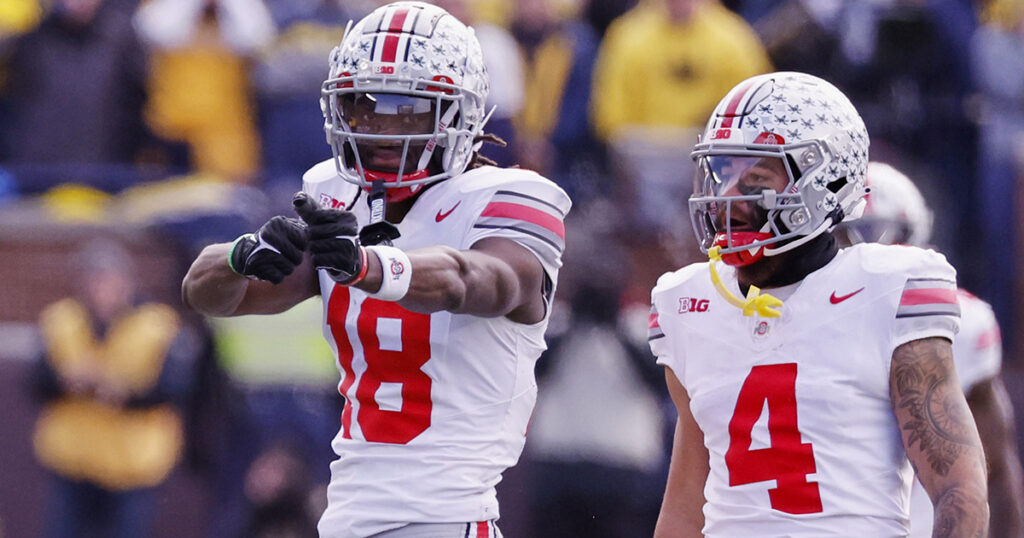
(333, 239)
(271, 253)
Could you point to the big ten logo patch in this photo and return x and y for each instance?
(329, 202)
(692, 304)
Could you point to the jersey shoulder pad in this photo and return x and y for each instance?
(913, 262)
(690, 274)
(323, 183)
(513, 181)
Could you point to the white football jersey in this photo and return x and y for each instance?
(795, 410)
(977, 353)
(436, 405)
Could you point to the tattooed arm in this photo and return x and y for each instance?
(940, 436)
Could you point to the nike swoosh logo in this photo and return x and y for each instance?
(837, 300)
(441, 216)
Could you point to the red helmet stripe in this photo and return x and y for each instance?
(398, 19)
(730, 111)
(390, 48)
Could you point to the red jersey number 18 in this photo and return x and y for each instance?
(402, 366)
(788, 461)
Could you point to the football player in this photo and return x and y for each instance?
(436, 334)
(896, 213)
(801, 411)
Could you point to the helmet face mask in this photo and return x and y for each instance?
(404, 101)
(818, 145)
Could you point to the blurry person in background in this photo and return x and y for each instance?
(74, 95)
(504, 61)
(199, 88)
(896, 214)
(284, 400)
(597, 447)
(437, 272)
(286, 78)
(660, 70)
(555, 135)
(998, 68)
(113, 374)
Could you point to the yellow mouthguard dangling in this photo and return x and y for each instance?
(755, 303)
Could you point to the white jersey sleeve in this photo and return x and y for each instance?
(977, 348)
(529, 210)
(928, 305)
(667, 354)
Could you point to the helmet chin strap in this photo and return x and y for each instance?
(765, 305)
(428, 151)
(798, 242)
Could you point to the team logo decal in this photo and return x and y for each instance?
(692, 304)
(770, 138)
(397, 268)
(328, 201)
(761, 329)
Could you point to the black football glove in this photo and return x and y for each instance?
(333, 239)
(271, 253)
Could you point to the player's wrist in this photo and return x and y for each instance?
(240, 250)
(360, 274)
(396, 273)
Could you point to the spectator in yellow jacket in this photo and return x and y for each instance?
(109, 431)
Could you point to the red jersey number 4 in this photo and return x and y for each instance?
(788, 461)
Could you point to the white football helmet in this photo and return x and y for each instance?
(781, 161)
(895, 213)
(408, 77)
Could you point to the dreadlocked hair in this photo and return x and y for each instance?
(479, 160)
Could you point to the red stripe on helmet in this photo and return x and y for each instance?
(398, 20)
(730, 111)
(390, 48)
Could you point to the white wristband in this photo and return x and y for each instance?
(397, 273)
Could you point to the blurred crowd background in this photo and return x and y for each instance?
(134, 132)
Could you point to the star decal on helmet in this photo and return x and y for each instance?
(419, 43)
(781, 120)
(807, 123)
(364, 46)
(753, 122)
(418, 61)
(793, 133)
(795, 109)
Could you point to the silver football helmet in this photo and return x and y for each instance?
(782, 160)
(895, 213)
(407, 82)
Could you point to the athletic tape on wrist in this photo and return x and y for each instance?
(397, 273)
(231, 252)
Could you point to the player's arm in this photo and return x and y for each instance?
(262, 273)
(940, 436)
(990, 405)
(682, 509)
(495, 277)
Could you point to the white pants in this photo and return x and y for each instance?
(479, 529)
